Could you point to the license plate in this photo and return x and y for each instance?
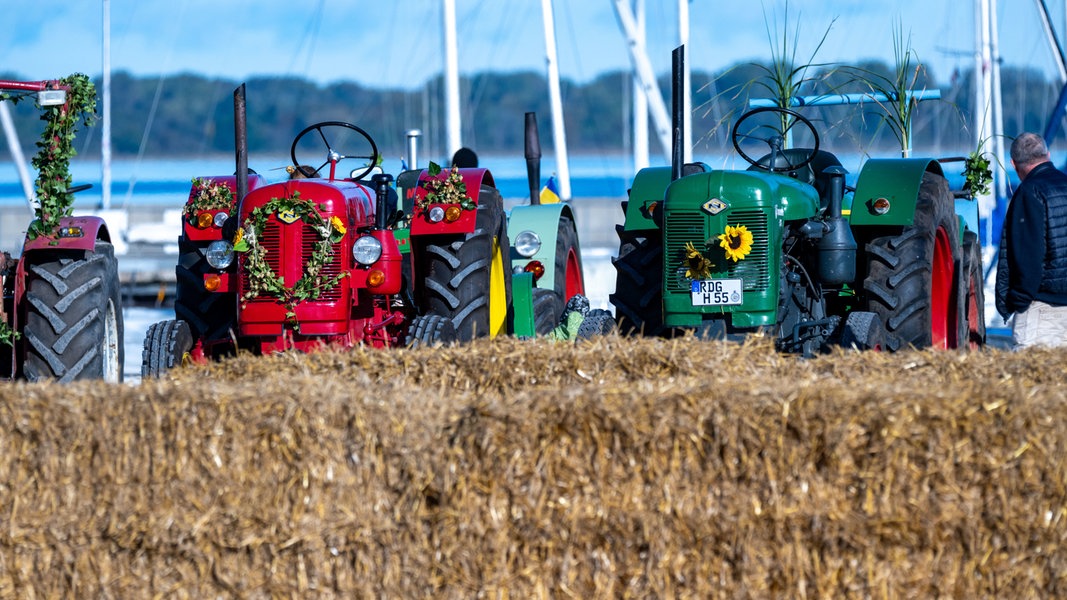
(717, 292)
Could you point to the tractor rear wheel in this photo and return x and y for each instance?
(639, 283)
(568, 267)
(430, 330)
(74, 316)
(467, 278)
(972, 292)
(548, 308)
(166, 345)
(910, 276)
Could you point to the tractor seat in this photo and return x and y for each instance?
(813, 173)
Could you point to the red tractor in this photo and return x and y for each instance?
(328, 258)
(61, 317)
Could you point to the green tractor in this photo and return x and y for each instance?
(787, 249)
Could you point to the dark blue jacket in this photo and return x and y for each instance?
(1033, 246)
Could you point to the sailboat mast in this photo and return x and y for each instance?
(983, 110)
(640, 102)
(105, 139)
(687, 86)
(452, 118)
(1001, 180)
(559, 136)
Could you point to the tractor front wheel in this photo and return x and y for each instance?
(166, 345)
(910, 275)
(430, 330)
(467, 278)
(548, 308)
(639, 283)
(73, 316)
(863, 331)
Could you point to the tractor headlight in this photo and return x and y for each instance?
(219, 254)
(220, 218)
(436, 214)
(367, 250)
(527, 243)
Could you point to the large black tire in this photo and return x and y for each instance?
(910, 275)
(73, 313)
(568, 265)
(211, 315)
(548, 308)
(972, 293)
(165, 346)
(639, 283)
(463, 276)
(430, 330)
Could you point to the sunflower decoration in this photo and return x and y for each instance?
(699, 267)
(736, 241)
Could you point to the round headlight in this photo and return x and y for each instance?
(527, 243)
(367, 250)
(220, 218)
(437, 214)
(219, 254)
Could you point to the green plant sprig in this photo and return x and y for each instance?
(449, 189)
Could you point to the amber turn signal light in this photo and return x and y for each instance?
(212, 282)
(375, 278)
(453, 213)
(205, 220)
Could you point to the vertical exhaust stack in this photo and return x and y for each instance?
(677, 111)
(533, 158)
(240, 138)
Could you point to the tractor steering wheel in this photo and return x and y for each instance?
(332, 156)
(775, 136)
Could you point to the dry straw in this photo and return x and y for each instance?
(504, 469)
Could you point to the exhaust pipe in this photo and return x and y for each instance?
(240, 138)
(677, 111)
(533, 158)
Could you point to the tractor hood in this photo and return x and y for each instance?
(717, 191)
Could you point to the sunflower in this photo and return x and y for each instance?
(737, 242)
(337, 225)
(699, 267)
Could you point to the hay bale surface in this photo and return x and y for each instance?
(614, 468)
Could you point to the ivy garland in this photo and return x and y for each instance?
(261, 277)
(976, 173)
(55, 149)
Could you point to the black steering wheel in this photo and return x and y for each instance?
(774, 135)
(332, 156)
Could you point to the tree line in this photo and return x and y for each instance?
(189, 115)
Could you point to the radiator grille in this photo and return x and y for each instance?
(691, 226)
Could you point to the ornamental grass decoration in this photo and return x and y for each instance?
(261, 278)
(611, 468)
(736, 241)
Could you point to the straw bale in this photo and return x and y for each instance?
(506, 469)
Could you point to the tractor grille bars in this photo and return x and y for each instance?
(694, 226)
(279, 255)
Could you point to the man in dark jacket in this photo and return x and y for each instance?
(1032, 268)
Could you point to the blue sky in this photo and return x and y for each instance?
(398, 43)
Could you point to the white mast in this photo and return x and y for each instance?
(643, 73)
(983, 110)
(687, 86)
(1001, 177)
(452, 119)
(17, 157)
(640, 102)
(105, 140)
(559, 137)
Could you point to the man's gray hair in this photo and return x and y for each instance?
(1029, 149)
